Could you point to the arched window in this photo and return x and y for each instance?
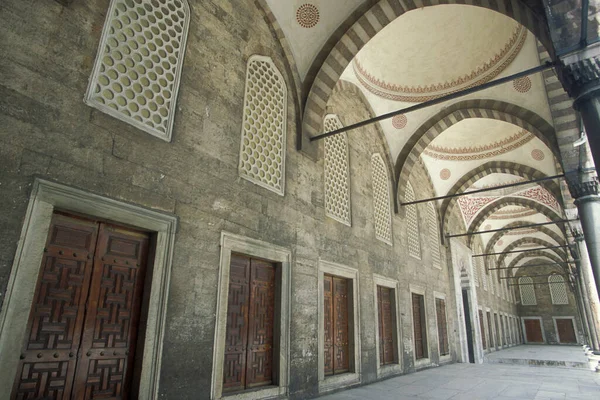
(527, 291)
(262, 150)
(138, 66)
(558, 289)
(337, 178)
(414, 243)
(381, 199)
(434, 236)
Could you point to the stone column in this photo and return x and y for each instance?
(584, 309)
(592, 302)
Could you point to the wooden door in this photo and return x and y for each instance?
(418, 326)
(490, 330)
(498, 342)
(335, 314)
(566, 330)
(533, 331)
(482, 330)
(250, 324)
(387, 353)
(54, 360)
(440, 307)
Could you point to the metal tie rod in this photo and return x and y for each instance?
(520, 251)
(562, 221)
(533, 265)
(508, 185)
(433, 102)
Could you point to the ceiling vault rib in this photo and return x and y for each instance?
(508, 185)
(439, 100)
(562, 221)
(534, 265)
(520, 251)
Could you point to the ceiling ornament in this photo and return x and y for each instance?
(487, 227)
(537, 154)
(524, 231)
(475, 186)
(541, 195)
(415, 94)
(469, 205)
(500, 242)
(307, 15)
(512, 214)
(479, 152)
(399, 121)
(522, 85)
(445, 174)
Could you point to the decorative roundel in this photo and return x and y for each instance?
(522, 85)
(487, 227)
(537, 154)
(399, 121)
(307, 15)
(445, 174)
(500, 242)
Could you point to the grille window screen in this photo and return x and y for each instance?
(476, 261)
(558, 289)
(381, 200)
(492, 264)
(414, 244)
(262, 151)
(337, 179)
(481, 267)
(434, 235)
(527, 291)
(138, 66)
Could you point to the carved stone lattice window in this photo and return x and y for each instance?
(138, 66)
(414, 243)
(481, 266)
(491, 264)
(337, 178)
(262, 150)
(434, 236)
(558, 289)
(527, 291)
(381, 200)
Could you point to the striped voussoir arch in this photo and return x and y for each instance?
(531, 240)
(494, 206)
(491, 109)
(491, 167)
(559, 269)
(337, 53)
(559, 239)
(537, 253)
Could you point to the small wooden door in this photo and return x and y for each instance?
(497, 326)
(250, 324)
(482, 330)
(533, 331)
(335, 314)
(566, 330)
(490, 330)
(419, 326)
(387, 353)
(83, 322)
(440, 307)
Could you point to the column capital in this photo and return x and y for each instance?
(580, 73)
(580, 189)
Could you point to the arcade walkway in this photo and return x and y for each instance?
(486, 381)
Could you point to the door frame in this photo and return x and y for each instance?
(447, 357)
(525, 339)
(572, 318)
(390, 369)
(46, 196)
(422, 362)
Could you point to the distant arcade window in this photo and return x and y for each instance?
(412, 219)
(262, 148)
(337, 177)
(419, 326)
(558, 289)
(434, 235)
(527, 291)
(442, 325)
(138, 65)
(381, 200)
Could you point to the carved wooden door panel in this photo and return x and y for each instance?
(49, 356)
(533, 331)
(340, 327)
(328, 324)
(260, 324)
(440, 306)
(108, 343)
(387, 355)
(482, 329)
(250, 324)
(417, 325)
(566, 331)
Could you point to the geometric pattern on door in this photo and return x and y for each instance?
(419, 326)
(53, 362)
(336, 334)
(385, 308)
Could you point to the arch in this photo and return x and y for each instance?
(533, 240)
(491, 167)
(542, 229)
(362, 26)
(494, 206)
(535, 253)
(491, 109)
